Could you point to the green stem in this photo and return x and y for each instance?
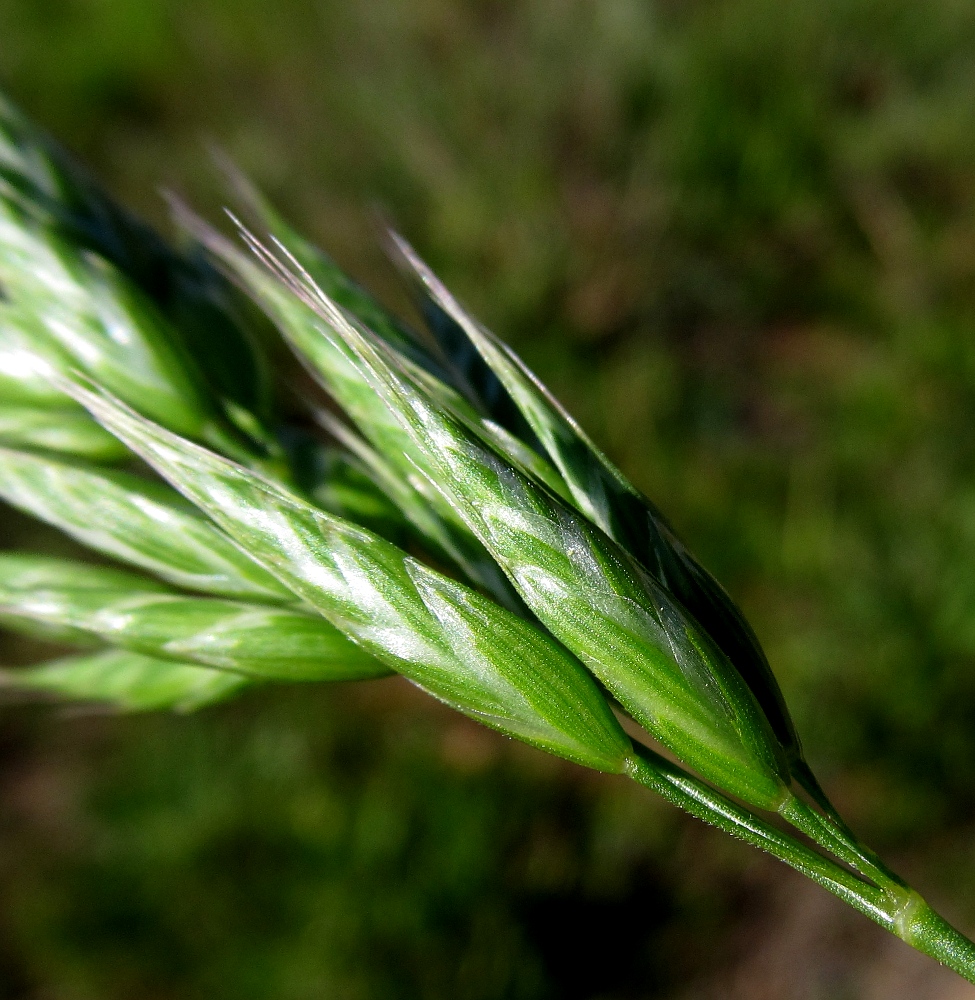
(895, 907)
(930, 933)
(835, 837)
(830, 831)
(696, 797)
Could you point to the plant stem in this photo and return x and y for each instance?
(834, 836)
(831, 827)
(930, 933)
(702, 801)
(896, 907)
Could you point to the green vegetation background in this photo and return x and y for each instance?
(739, 241)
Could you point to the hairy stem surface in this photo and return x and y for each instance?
(893, 905)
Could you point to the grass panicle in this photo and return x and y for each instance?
(434, 513)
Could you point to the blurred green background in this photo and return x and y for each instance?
(738, 239)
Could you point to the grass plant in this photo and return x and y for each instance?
(433, 512)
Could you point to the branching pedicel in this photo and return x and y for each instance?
(277, 555)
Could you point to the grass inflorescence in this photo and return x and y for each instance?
(434, 512)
